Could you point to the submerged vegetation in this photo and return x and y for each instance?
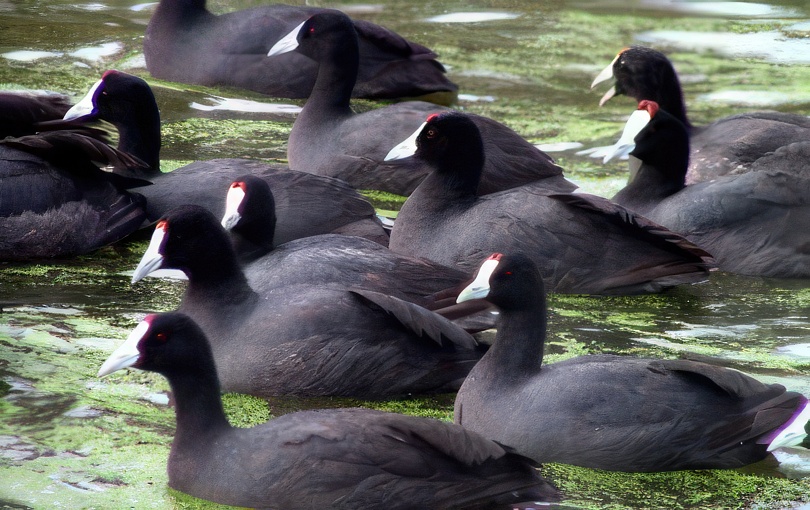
(72, 440)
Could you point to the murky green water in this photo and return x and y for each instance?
(70, 440)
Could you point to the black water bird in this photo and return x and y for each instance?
(612, 412)
(328, 458)
(328, 138)
(582, 243)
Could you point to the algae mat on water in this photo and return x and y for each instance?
(68, 439)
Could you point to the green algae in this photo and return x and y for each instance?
(387, 204)
(205, 138)
(705, 489)
(245, 410)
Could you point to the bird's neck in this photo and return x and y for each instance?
(335, 81)
(672, 102)
(648, 186)
(221, 288)
(140, 137)
(254, 239)
(452, 185)
(198, 405)
(520, 340)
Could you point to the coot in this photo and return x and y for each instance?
(611, 412)
(305, 339)
(728, 145)
(328, 138)
(583, 243)
(327, 258)
(185, 42)
(305, 204)
(21, 113)
(753, 223)
(329, 458)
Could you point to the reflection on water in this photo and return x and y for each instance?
(796, 350)
(142, 7)
(93, 7)
(244, 105)
(472, 17)
(98, 53)
(771, 46)
(756, 99)
(698, 7)
(29, 55)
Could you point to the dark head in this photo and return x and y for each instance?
(451, 143)
(330, 39)
(167, 343)
(644, 73)
(321, 37)
(250, 214)
(510, 282)
(117, 98)
(663, 143)
(127, 102)
(188, 238)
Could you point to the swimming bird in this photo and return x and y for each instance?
(306, 204)
(728, 145)
(327, 458)
(328, 138)
(612, 412)
(327, 258)
(305, 338)
(752, 223)
(583, 243)
(187, 43)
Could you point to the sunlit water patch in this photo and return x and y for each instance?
(794, 463)
(472, 17)
(15, 449)
(795, 350)
(245, 105)
(771, 46)
(92, 7)
(165, 274)
(753, 98)
(472, 98)
(696, 8)
(559, 146)
(804, 26)
(97, 53)
(142, 7)
(82, 412)
(30, 55)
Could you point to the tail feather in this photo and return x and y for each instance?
(794, 431)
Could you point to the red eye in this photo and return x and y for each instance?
(162, 337)
(508, 273)
(311, 30)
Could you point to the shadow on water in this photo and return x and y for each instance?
(68, 439)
